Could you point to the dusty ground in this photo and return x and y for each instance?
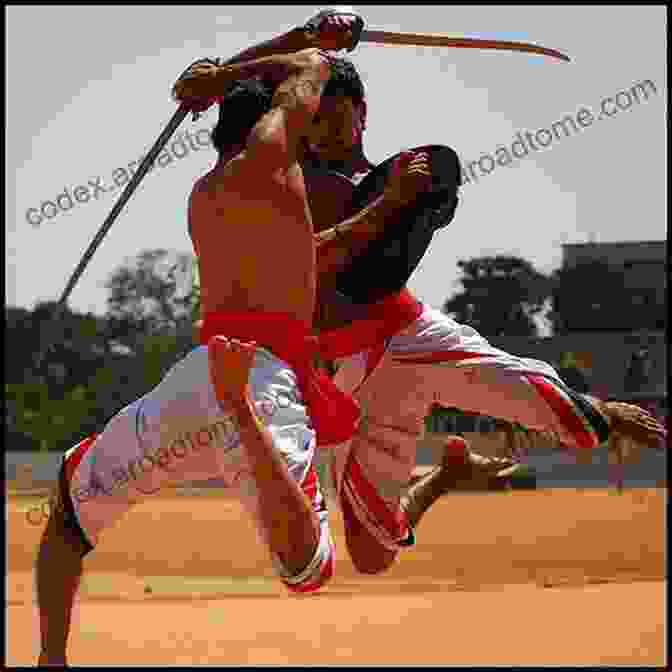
(557, 577)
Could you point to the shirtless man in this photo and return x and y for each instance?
(252, 231)
(398, 357)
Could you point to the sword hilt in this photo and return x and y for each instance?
(313, 25)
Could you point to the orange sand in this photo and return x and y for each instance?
(556, 577)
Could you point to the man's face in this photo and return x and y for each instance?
(336, 129)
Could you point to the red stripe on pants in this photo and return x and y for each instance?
(565, 410)
(394, 523)
(73, 460)
(446, 356)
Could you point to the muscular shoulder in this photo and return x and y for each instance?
(230, 176)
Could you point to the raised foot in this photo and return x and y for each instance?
(230, 361)
(460, 469)
(634, 423)
(464, 469)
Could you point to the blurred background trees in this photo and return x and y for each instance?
(500, 296)
(95, 365)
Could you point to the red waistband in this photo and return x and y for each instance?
(384, 319)
(334, 414)
(285, 336)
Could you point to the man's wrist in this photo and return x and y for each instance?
(370, 222)
(386, 207)
(393, 202)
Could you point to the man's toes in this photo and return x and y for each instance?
(242, 346)
(220, 342)
(250, 346)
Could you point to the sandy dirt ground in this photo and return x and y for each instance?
(554, 577)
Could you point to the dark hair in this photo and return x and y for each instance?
(247, 100)
(344, 81)
(244, 103)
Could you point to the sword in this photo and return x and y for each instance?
(47, 332)
(360, 34)
(423, 40)
(142, 170)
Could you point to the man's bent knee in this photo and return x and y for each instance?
(319, 570)
(372, 560)
(368, 555)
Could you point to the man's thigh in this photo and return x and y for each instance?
(178, 432)
(457, 367)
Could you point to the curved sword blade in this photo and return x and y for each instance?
(422, 40)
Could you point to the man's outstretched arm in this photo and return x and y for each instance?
(206, 78)
(326, 33)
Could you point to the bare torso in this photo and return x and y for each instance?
(253, 237)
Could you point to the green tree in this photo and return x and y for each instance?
(590, 295)
(95, 365)
(154, 292)
(42, 421)
(500, 296)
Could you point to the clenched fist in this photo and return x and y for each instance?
(410, 175)
(193, 86)
(333, 29)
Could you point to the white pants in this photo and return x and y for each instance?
(435, 360)
(178, 432)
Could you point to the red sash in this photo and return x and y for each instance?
(384, 319)
(333, 413)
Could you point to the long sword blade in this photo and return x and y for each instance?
(422, 40)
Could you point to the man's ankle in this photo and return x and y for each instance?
(50, 660)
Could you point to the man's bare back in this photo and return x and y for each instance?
(253, 237)
(249, 218)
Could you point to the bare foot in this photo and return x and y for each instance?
(632, 422)
(230, 363)
(459, 459)
(463, 469)
(498, 467)
(460, 469)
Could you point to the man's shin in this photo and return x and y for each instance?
(58, 573)
(368, 555)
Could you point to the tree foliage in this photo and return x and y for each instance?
(50, 362)
(500, 296)
(588, 296)
(95, 365)
(156, 290)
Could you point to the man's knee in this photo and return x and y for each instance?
(315, 580)
(318, 572)
(368, 555)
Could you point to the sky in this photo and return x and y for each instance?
(88, 92)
